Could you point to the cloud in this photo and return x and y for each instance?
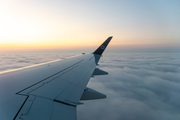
(139, 86)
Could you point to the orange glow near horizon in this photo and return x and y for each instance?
(74, 46)
(46, 46)
(51, 25)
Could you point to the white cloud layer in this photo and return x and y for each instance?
(140, 86)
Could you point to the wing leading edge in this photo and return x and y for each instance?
(50, 91)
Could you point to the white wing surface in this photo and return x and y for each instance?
(49, 91)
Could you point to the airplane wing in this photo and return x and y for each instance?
(51, 90)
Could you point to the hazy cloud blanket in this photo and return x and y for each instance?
(140, 86)
(144, 86)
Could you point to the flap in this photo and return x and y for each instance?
(39, 108)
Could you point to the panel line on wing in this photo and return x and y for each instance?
(21, 107)
(49, 77)
(64, 103)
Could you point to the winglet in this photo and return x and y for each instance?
(101, 48)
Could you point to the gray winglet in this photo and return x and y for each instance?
(102, 47)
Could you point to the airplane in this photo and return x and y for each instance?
(51, 90)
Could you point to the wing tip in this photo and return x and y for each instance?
(103, 46)
(111, 37)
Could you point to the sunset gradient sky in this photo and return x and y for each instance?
(58, 24)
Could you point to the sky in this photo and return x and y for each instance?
(58, 24)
